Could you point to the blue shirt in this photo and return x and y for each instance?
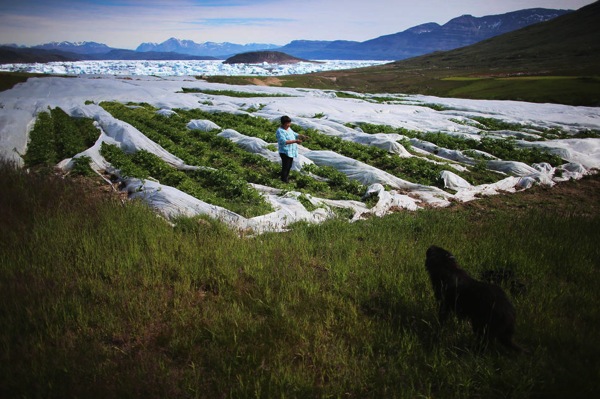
(291, 150)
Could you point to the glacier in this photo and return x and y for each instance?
(182, 68)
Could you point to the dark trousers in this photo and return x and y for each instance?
(286, 165)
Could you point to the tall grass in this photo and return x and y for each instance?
(103, 300)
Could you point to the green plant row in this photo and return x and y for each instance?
(506, 149)
(56, 136)
(414, 169)
(207, 149)
(215, 186)
(230, 93)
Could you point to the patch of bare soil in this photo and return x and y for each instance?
(97, 188)
(574, 197)
(269, 81)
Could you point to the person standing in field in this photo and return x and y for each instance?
(287, 144)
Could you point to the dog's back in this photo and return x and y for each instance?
(489, 310)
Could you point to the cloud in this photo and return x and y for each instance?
(241, 21)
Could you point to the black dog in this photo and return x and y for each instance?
(505, 277)
(485, 305)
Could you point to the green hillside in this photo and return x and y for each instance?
(556, 61)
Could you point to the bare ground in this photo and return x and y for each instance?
(574, 197)
(269, 81)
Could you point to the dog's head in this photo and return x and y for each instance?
(437, 258)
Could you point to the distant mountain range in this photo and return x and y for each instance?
(422, 39)
(77, 47)
(212, 49)
(561, 56)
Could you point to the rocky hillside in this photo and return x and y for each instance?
(423, 39)
(257, 57)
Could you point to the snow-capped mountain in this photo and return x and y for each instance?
(206, 49)
(76, 47)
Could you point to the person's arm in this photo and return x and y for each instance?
(297, 140)
(280, 138)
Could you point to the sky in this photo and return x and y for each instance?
(128, 23)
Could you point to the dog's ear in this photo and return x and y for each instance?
(451, 260)
(441, 257)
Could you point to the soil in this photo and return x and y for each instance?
(574, 197)
(270, 81)
(98, 188)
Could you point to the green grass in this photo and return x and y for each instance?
(104, 300)
(230, 93)
(556, 89)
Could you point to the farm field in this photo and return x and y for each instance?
(189, 147)
(100, 298)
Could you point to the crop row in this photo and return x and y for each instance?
(207, 149)
(56, 136)
(505, 148)
(414, 169)
(226, 169)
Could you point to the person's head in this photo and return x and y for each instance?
(286, 120)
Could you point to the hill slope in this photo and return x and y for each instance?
(555, 61)
(569, 44)
(255, 57)
(425, 38)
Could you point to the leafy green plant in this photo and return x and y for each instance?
(255, 108)
(81, 166)
(217, 187)
(497, 124)
(372, 128)
(343, 94)
(436, 107)
(56, 136)
(230, 93)
(306, 203)
(587, 133)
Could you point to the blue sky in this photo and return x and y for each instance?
(127, 23)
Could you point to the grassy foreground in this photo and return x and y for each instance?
(100, 299)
